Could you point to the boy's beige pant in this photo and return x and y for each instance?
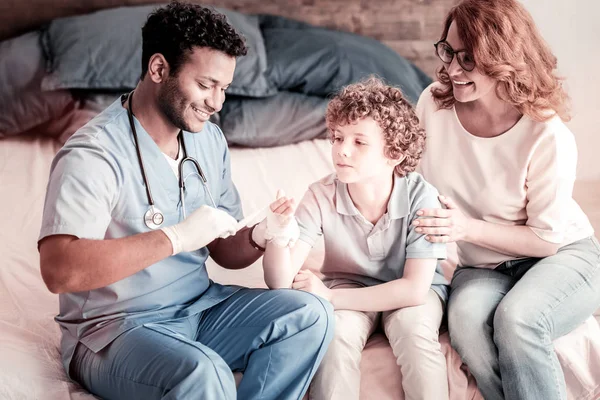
(413, 334)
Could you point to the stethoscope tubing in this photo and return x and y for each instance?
(154, 217)
(137, 149)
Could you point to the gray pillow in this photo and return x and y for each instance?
(23, 105)
(319, 61)
(274, 121)
(103, 50)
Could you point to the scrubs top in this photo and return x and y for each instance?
(96, 191)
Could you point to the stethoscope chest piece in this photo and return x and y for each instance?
(154, 218)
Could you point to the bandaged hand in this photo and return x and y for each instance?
(280, 226)
(200, 228)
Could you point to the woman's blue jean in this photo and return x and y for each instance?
(502, 321)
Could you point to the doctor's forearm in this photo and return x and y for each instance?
(76, 265)
(235, 252)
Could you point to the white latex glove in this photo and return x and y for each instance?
(281, 229)
(200, 228)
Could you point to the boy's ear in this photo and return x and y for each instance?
(396, 161)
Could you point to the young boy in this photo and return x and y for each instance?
(376, 265)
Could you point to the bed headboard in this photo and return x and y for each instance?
(408, 26)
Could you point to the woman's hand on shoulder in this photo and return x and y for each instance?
(443, 225)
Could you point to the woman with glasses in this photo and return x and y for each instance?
(500, 154)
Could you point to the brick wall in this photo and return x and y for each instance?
(408, 26)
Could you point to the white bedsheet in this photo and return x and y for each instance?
(29, 338)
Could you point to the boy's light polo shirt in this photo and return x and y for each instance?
(356, 251)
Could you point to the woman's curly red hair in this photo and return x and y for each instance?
(507, 47)
(396, 117)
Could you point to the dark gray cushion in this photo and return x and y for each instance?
(103, 50)
(274, 121)
(23, 105)
(320, 61)
(268, 21)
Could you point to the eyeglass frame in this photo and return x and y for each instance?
(454, 54)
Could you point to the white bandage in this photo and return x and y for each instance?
(281, 230)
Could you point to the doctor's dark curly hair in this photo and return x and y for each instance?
(395, 116)
(174, 30)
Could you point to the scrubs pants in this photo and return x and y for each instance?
(277, 338)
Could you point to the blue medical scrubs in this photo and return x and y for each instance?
(168, 331)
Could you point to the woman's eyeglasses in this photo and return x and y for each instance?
(446, 53)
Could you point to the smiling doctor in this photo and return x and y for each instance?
(140, 317)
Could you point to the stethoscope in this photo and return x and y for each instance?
(154, 218)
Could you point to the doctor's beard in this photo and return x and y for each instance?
(171, 102)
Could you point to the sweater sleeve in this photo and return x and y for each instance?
(549, 184)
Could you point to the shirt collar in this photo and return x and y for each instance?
(398, 205)
(344, 204)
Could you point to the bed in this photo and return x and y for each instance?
(29, 338)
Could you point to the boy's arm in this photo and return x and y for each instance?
(410, 290)
(281, 264)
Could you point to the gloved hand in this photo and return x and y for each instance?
(280, 225)
(200, 228)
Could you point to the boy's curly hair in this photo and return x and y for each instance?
(394, 115)
(174, 30)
